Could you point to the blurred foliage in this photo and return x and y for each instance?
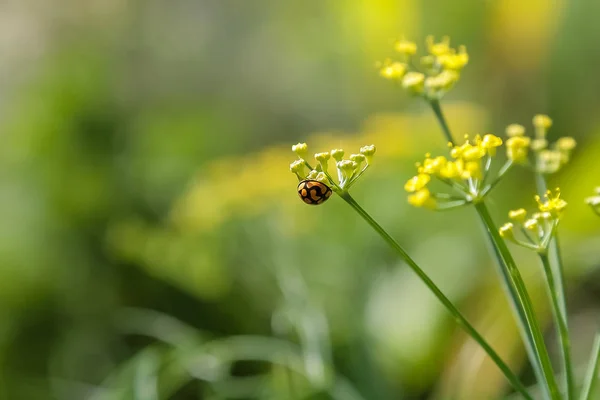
(144, 166)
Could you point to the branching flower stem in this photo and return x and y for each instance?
(515, 289)
(556, 270)
(458, 316)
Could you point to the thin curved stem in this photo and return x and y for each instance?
(522, 304)
(435, 105)
(459, 318)
(561, 327)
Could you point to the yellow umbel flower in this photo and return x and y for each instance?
(539, 228)
(553, 203)
(548, 159)
(441, 70)
(466, 172)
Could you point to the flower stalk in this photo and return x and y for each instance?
(458, 316)
(555, 271)
(514, 286)
(522, 305)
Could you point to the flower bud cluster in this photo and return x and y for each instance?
(348, 169)
(547, 158)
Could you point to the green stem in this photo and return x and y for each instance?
(522, 304)
(557, 271)
(435, 105)
(459, 318)
(592, 373)
(561, 326)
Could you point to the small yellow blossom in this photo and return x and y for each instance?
(301, 149)
(405, 47)
(542, 122)
(515, 130)
(440, 48)
(312, 174)
(417, 183)
(507, 231)
(594, 201)
(472, 153)
(531, 224)
(517, 148)
(413, 82)
(451, 170)
(553, 203)
(542, 216)
(518, 215)
(337, 154)
(321, 177)
(434, 165)
(422, 198)
(454, 61)
(566, 143)
(368, 152)
(298, 167)
(490, 142)
(359, 159)
(348, 166)
(539, 144)
(393, 70)
(323, 159)
(549, 161)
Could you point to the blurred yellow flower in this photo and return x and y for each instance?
(406, 47)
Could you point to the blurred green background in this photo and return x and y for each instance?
(152, 244)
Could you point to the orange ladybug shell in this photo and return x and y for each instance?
(313, 192)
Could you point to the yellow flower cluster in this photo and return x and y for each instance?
(548, 158)
(348, 170)
(594, 201)
(536, 230)
(437, 73)
(465, 172)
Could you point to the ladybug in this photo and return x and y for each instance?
(313, 192)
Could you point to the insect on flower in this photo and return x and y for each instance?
(313, 192)
(316, 184)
